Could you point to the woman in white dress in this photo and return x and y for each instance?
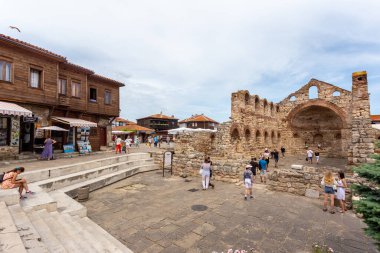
(205, 169)
(341, 192)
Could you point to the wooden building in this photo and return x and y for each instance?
(57, 92)
(159, 122)
(199, 121)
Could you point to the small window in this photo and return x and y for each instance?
(313, 92)
(336, 94)
(107, 97)
(35, 78)
(93, 95)
(75, 89)
(292, 98)
(5, 71)
(4, 131)
(62, 86)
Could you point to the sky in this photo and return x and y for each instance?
(186, 57)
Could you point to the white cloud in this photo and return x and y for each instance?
(186, 57)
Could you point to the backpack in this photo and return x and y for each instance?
(2, 176)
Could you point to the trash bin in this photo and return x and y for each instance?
(83, 193)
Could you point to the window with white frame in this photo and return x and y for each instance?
(5, 71)
(75, 89)
(62, 86)
(35, 78)
(107, 97)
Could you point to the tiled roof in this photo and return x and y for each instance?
(105, 79)
(375, 117)
(159, 116)
(125, 121)
(198, 118)
(73, 66)
(31, 47)
(132, 127)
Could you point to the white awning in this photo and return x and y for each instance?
(54, 128)
(122, 132)
(75, 122)
(376, 126)
(14, 109)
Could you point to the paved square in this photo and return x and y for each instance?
(150, 213)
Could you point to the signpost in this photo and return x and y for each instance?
(168, 161)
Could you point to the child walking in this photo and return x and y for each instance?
(341, 192)
(247, 177)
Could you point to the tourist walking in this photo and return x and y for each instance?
(47, 153)
(329, 183)
(118, 142)
(341, 192)
(317, 156)
(205, 172)
(266, 156)
(283, 151)
(247, 178)
(210, 183)
(150, 141)
(263, 165)
(254, 167)
(276, 156)
(310, 156)
(10, 181)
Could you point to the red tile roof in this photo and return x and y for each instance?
(31, 47)
(375, 117)
(132, 127)
(125, 121)
(198, 118)
(106, 79)
(73, 66)
(159, 116)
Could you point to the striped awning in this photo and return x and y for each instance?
(14, 109)
(75, 122)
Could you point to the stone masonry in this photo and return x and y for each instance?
(336, 119)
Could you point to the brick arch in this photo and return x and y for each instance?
(235, 132)
(322, 103)
(247, 133)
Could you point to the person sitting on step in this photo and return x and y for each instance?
(10, 181)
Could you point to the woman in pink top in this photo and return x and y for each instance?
(10, 181)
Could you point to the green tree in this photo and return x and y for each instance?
(369, 193)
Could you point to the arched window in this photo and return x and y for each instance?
(258, 136)
(266, 136)
(273, 137)
(277, 108)
(278, 136)
(257, 103)
(265, 106)
(246, 98)
(313, 92)
(235, 135)
(336, 93)
(318, 138)
(292, 98)
(271, 108)
(247, 134)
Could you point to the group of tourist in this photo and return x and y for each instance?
(310, 153)
(123, 145)
(332, 188)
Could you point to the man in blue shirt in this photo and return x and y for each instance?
(263, 170)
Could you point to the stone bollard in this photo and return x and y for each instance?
(83, 193)
(296, 167)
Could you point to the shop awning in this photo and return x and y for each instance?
(75, 122)
(14, 109)
(54, 128)
(122, 132)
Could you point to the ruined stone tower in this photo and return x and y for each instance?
(362, 143)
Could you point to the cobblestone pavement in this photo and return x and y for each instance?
(152, 214)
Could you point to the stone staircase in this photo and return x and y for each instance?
(51, 220)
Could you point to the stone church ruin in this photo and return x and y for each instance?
(318, 113)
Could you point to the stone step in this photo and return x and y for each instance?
(10, 241)
(88, 235)
(29, 235)
(114, 246)
(65, 204)
(108, 179)
(38, 200)
(65, 238)
(56, 183)
(43, 174)
(9, 196)
(74, 233)
(47, 236)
